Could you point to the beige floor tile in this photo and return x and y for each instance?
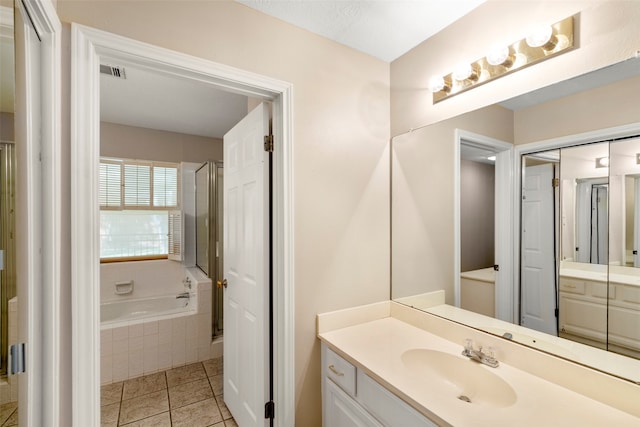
(109, 415)
(144, 385)
(160, 420)
(220, 424)
(217, 384)
(6, 410)
(200, 414)
(144, 406)
(223, 407)
(213, 366)
(185, 374)
(110, 393)
(230, 423)
(188, 393)
(13, 420)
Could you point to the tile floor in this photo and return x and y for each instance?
(190, 396)
(9, 414)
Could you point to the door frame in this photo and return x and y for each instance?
(503, 213)
(40, 400)
(88, 46)
(544, 145)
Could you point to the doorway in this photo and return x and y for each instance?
(90, 46)
(471, 145)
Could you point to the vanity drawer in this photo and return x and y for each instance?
(572, 285)
(386, 407)
(341, 372)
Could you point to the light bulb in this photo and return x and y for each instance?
(500, 56)
(463, 72)
(542, 37)
(437, 83)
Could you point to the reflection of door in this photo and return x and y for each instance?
(246, 246)
(538, 293)
(636, 223)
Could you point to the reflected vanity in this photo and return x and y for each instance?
(576, 281)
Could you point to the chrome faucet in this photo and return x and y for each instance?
(486, 358)
(184, 295)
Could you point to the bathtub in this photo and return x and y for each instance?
(132, 311)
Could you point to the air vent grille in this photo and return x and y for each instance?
(116, 71)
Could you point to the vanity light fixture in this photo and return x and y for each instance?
(542, 43)
(602, 162)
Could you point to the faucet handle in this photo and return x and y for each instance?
(468, 347)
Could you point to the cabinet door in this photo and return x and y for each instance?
(340, 410)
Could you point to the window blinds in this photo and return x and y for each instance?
(129, 184)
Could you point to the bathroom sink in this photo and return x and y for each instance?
(463, 378)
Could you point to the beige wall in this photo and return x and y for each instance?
(341, 134)
(605, 35)
(132, 142)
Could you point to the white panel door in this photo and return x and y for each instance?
(246, 251)
(538, 253)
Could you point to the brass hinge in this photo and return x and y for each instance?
(268, 143)
(555, 182)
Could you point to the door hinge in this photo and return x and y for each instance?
(268, 143)
(557, 312)
(555, 182)
(17, 361)
(496, 267)
(269, 410)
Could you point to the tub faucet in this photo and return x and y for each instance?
(478, 355)
(184, 295)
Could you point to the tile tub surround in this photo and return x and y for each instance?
(539, 379)
(139, 348)
(187, 396)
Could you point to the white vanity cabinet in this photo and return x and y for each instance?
(584, 305)
(351, 398)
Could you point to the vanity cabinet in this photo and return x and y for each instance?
(351, 398)
(593, 310)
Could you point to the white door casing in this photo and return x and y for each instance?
(38, 221)
(636, 222)
(88, 47)
(538, 250)
(246, 268)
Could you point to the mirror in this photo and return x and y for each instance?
(422, 216)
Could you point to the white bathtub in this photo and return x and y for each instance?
(133, 311)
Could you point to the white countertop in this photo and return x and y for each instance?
(376, 346)
(483, 275)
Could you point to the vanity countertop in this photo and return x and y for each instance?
(377, 347)
(598, 273)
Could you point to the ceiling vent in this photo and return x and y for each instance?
(117, 72)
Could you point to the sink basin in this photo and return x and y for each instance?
(463, 378)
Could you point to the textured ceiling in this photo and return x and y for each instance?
(385, 29)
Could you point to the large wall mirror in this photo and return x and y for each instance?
(566, 279)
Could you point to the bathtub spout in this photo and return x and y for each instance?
(184, 295)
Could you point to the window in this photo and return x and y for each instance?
(138, 202)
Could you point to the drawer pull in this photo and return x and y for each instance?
(335, 371)
(570, 286)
